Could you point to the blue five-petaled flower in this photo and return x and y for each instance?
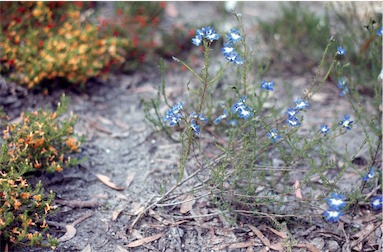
(376, 202)
(291, 112)
(340, 51)
(369, 175)
(342, 86)
(195, 127)
(379, 31)
(346, 122)
(234, 36)
(336, 201)
(300, 104)
(273, 135)
(219, 118)
(293, 121)
(333, 215)
(324, 129)
(240, 107)
(267, 85)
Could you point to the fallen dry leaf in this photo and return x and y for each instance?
(130, 179)
(106, 180)
(298, 192)
(71, 230)
(280, 234)
(120, 249)
(362, 235)
(308, 246)
(263, 238)
(69, 234)
(115, 214)
(88, 248)
(187, 205)
(242, 245)
(145, 240)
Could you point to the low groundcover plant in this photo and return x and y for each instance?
(241, 178)
(41, 142)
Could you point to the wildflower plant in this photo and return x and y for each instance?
(40, 142)
(50, 41)
(241, 177)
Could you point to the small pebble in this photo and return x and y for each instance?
(333, 246)
(318, 242)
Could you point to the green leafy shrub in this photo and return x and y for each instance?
(40, 142)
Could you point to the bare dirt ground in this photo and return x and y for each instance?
(140, 163)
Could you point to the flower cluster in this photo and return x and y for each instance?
(229, 50)
(291, 112)
(173, 115)
(207, 33)
(242, 109)
(195, 127)
(336, 204)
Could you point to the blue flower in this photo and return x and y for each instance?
(293, 121)
(219, 118)
(341, 82)
(234, 36)
(197, 40)
(342, 86)
(340, 51)
(195, 127)
(205, 32)
(379, 31)
(273, 135)
(227, 48)
(267, 85)
(333, 215)
(242, 110)
(200, 116)
(291, 112)
(376, 202)
(343, 92)
(173, 115)
(234, 57)
(300, 104)
(369, 175)
(336, 201)
(346, 122)
(324, 129)
(209, 33)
